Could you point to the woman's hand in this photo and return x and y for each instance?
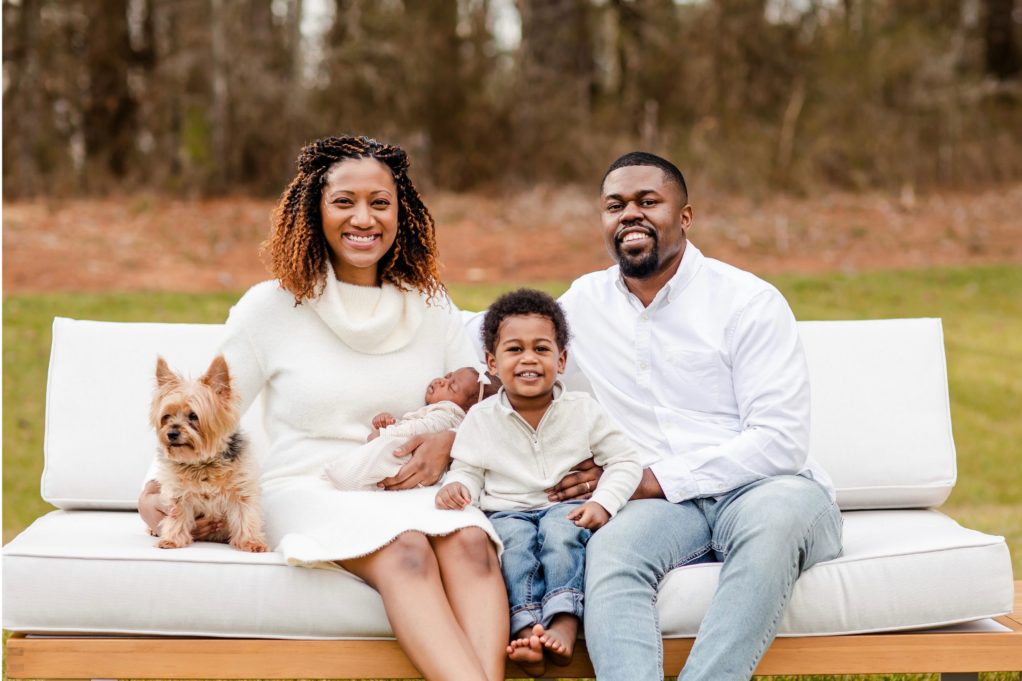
(453, 497)
(577, 485)
(153, 512)
(589, 515)
(430, 455)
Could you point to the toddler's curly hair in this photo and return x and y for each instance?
(298, 250)
(520, 303)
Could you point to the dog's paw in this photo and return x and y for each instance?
(252, 547)
(168, 544)
(151, 533)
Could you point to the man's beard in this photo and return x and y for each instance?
(641, 266)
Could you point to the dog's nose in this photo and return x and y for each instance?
(172, 435)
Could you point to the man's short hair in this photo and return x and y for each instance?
(521, 303)
(642, 158)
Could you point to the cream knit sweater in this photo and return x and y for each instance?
(506, 464)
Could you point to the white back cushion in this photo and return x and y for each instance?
(881, 420)
(98, 442)
(881, 424)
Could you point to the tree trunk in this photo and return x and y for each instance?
(1002, 59)
(108, 110)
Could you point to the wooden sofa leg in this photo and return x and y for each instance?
(960, 676)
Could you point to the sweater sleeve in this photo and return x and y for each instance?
(467, 465)
(616, 454)
(248, 376)
(468, 475)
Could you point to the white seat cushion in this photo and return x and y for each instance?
(899, 570)
(97, 572)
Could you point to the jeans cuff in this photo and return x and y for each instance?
(566, 600)
(525, 617)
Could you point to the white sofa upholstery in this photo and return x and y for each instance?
(881, 428)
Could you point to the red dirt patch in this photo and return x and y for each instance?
(153, 243)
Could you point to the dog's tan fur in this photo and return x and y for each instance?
(205, 466)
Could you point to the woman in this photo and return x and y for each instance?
(356, 324)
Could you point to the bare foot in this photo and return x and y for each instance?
(559, 639)
(527, 651)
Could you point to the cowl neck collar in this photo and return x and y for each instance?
(350, 313)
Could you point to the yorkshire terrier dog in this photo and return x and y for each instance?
(205, 467)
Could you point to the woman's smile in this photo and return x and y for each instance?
(361, 241)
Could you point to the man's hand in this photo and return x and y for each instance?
(589, 515)
(430, 452)
(453, 497)
(153, 512)
(577, 485)
(649, 487)
(381, 421)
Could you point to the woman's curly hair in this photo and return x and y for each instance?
(298, 250)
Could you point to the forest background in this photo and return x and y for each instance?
(863, 155)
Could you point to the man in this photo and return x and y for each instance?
(701, 365)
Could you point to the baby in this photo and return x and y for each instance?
(447, 400)
(517, 444)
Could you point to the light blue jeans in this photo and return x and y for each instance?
(765, 533)
(543, 563)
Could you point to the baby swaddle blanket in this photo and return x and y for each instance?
(361, 469)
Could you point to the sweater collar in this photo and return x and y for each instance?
(389, 327)
(505, 404)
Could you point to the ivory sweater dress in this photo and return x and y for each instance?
(328, 366)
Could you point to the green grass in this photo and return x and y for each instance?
(981, 309)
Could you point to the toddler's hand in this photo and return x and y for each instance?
(590, 515)
(373, 435)
(454, 497)
(381, 421)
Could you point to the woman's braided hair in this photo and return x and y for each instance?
(298, 250)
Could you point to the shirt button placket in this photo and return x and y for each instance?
(643, 335)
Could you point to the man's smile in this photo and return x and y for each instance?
(634, 236)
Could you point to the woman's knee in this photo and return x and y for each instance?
(410, 555)
(469, 548)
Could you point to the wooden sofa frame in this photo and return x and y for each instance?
(956, 656)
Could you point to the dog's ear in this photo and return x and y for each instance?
(164, 375)
(218, 377)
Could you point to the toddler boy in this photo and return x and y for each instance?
(522, 441)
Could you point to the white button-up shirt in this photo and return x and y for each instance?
(709, 381)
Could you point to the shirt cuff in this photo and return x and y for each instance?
(608, 500)
(468, 482)
(676, 480)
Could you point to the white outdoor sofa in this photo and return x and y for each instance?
(90, 597)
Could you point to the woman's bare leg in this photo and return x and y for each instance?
(407, 575)
(475, 590)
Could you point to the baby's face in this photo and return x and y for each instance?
(460, 387)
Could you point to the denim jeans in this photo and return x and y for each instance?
(543, 563)
(765, 533)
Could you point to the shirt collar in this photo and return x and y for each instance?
(691, 261)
